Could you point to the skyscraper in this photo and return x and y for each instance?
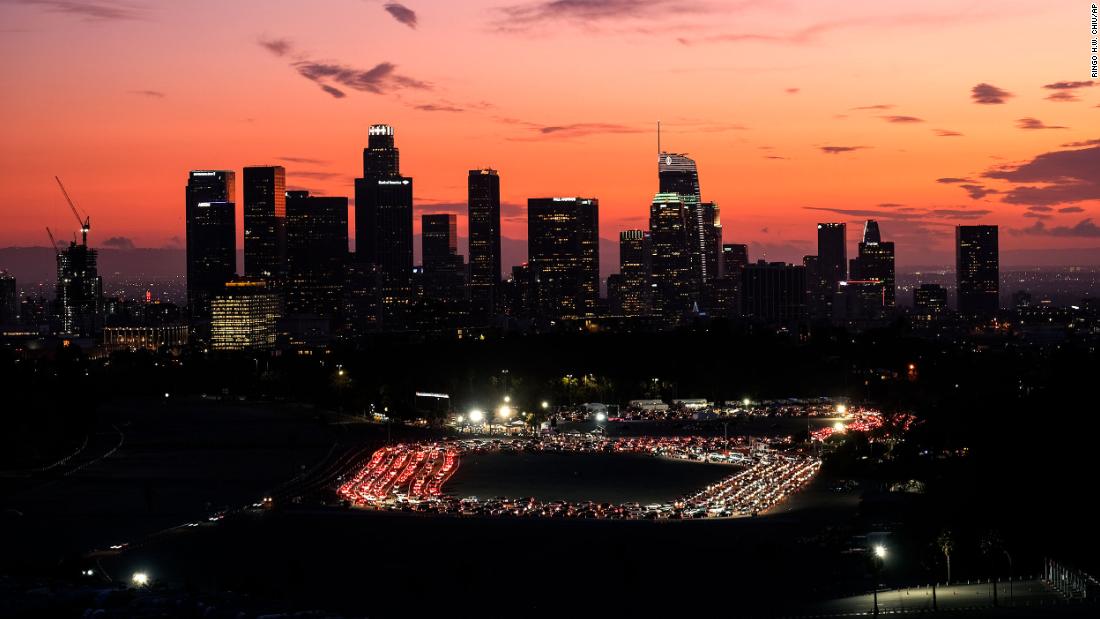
(875, 262)
(674, 288)
(564, 255)
(211, 237)
(317, 249)
(832, 252)
(977, 269)
(929, 302)
(444, 269)
(483, 204)
(735, 257)
(79, 291)
(773, 293)
(677, 173)
(383, 223)
(265, 222)
(634, 270)
(9, 300)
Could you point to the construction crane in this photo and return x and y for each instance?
(53, 243)
(86, 222)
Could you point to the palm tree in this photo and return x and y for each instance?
(946, 544)
(992, 547)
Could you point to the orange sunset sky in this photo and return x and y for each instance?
(920, 114)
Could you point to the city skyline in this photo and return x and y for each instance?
(789, 142)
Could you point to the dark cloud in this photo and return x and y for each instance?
(1071, 209)
(880, 106)
(903, 119)
(988, 94)
(889, 205)
(402, 13)
(1095, 142)
(1068, 85)
(977, 192)
(1083, 229)
(1035, 123)
(773, 157)
(946, 133)
(953, 179)
(1063, 96)
(279, 47)
(119, 242)
(520, 17)
(835, 150)
(1063, 176)
(91, 10)
(1038, 215)
(433, 107)
(330, 76)
(152, 94)
(1040, 209)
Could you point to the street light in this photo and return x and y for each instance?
(841, 409)
(545, 405)
(746, 402)
(878, 558)
(139, 579)
(504, 412)
(880, 551)
(507, 398)
(600, 417)
(476, 416)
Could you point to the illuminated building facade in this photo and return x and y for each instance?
(633, 287)
(929, 302)
(564, 255)
(153, 337)
(673, 287)
(483, 217)
(79, 298)
(243, 316)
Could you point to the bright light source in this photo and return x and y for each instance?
(840, 408)
(341, 372)
(507, 398)
(139, 579)
(504, 412)
(880, 551)
(166, 394)
(545, 404)
(476, 416)
(460, 419)
(912, 366)
(746, 401)
(838, 427)
(600, 417)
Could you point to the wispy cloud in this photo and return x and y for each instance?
(153, 94)
(1035, 123)
(583, 129)
(520, 17)
(902, 119)
(92, 10)
(291, 159)
(436, 107)
(877, 106)
(836, 150)
(988, 94)
(402, 13)
(946, 133)
(1064, 91)
(331, 77)
(119, 242)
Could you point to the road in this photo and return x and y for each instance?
(1031, 593)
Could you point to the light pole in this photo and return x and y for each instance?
(476, 417)
(877, 560)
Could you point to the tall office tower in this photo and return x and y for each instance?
(9, 300)
(79, 300)
(563, 243)
(929, 302)
(705, 232)
(243, 316)
(265, 222)
(383, 223)
(444, 269)
(672, 283)
(483, 215)
(977, 269)
(875, 262)
(677, 173)
(832, 252)
(211, 237)
(316, 249)
(735, 256)
(773, 293)
(634, 270)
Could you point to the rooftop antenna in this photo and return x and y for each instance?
(658, 139)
